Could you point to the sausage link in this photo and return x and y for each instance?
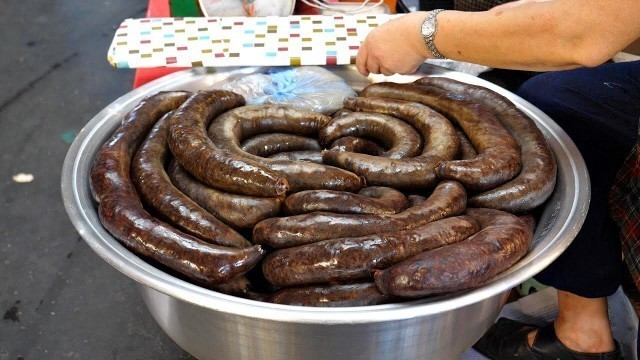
(356, 144)
(440, 142)
(122, 214)
(503, 240)
(228, 130)
(355, 258)
(212, 165)
(265, 145)
(498, 158)
(369, 200)
(415, 200)
(155, 188)
(340, 112)
(238, 286)
(467, 151)
(302, 155)
(530, 220)
(358, 294)
(238, 211)
(537, 179)
(124, 143)
(447, 199)
(438, 134)
(400, 138)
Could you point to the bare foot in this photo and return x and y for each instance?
(582, 324)
(596, 343)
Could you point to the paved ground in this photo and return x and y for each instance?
(57, 298)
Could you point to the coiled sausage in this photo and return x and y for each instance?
(122, 214)
(210, 164)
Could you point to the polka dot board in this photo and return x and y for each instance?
(241, 41)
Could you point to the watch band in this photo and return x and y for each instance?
(431, 23)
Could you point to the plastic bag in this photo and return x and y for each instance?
(308, 88)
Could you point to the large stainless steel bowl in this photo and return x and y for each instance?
(210, 325)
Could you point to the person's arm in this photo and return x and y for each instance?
(526, 35)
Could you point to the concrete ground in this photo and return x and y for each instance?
(58, 299)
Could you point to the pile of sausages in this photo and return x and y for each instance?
(410, 190)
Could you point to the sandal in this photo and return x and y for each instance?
(507, 340)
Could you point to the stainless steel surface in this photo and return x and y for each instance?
(211, 325)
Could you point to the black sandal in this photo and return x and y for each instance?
(507, 340)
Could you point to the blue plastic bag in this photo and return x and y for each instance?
(309, 88)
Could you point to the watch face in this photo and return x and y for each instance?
(428, 28)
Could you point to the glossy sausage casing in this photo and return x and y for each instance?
(339, 295)
(369, 200)
(235, 210)
(354, 258)
(228, 131)
(155, 187)
(440, 143)
(212, 165)
(122, 214)
(447, 199)
(503, 240)
(498, 157)
(399, 137)
(536, 181)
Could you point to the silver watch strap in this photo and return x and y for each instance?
(429, 40)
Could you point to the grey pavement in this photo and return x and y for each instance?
(58, 299)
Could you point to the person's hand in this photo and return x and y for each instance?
(394, 47)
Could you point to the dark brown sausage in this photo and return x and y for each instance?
(356, 144)
(155, 187)
(369, 200)
(530, 220)
(503, 240)
(440, 142)
(467, 151)
(358, 294)
(400, 138)
(238, 286)
(537, 179)
(438, 134)
(447, 199)
(415, 200)
(122, 214)
(228, 130)
(214, 166)
(498, 158)
(238, 211)
(340, 112)
(265, 145)
(302, 155)
(355, 258)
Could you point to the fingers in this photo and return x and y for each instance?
(367, 63)
(372, 66)
(386, 72)
(361, 60)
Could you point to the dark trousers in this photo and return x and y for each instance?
(599, 108)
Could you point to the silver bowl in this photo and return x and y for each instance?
(211, 325)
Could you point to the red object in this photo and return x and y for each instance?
(157, 8)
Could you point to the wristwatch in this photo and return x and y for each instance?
(428, 30)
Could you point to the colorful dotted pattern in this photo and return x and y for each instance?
(241, 41)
